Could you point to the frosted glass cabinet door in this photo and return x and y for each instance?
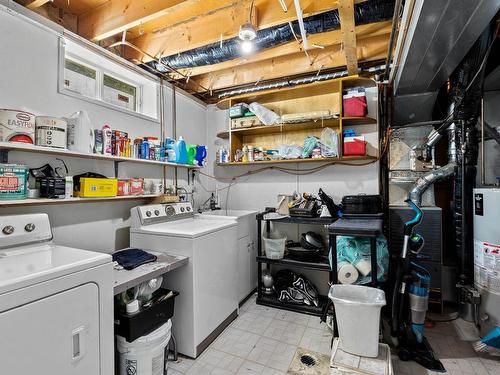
(57, 335)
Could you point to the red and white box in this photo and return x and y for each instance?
(354, 104)
(136, 186)
(355, 146)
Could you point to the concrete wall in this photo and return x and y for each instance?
(28, 80)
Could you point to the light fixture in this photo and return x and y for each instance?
(247, 35)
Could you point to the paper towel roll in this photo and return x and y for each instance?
(363, 266)
(347, 273)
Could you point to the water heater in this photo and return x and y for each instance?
(487, 255)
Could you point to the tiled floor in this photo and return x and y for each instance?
(263, 341)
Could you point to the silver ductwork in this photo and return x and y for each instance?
(428, 179)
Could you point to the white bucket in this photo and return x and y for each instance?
(145, 355)
(357, 309)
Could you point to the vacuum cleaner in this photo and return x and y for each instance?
(410, 299)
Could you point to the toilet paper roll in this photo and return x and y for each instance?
(347, 273)
(363, 266)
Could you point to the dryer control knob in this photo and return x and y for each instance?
(148, 213)
(29, 227)
(9, 229)
(157, 212)
(169, 210)
(182, 209)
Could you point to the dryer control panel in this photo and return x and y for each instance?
(160, 213)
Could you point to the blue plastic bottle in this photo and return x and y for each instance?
(181, 156)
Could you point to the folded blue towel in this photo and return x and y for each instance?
(132, 258)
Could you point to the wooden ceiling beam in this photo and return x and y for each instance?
(346, 15)
(116, 16)
(169, 38)
(321, 39)
(36, 4)
(368, 49)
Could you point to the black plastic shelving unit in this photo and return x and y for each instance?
(321, 265)
(272, 301)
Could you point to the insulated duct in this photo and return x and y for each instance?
(366, 12)
(298, 81)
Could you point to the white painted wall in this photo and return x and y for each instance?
(28, 80)
(259, 191)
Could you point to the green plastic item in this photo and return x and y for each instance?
(191, 153)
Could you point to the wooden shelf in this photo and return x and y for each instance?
(270, 129)
(223, 135)
(291, 161)
(310, 89)
(351, 121)
(25, 147)
(39, 201)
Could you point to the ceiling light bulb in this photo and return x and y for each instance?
(246, 46)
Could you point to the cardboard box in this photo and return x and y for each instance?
(98, 187)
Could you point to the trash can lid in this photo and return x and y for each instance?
(357, 295)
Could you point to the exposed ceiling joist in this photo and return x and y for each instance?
(321, 39)
(206, 28)
(36, 4)
(116, 16)
(369, 49)
(346, 15)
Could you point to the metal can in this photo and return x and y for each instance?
(51, 132)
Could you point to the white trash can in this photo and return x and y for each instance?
(145, 355)
(357, 309)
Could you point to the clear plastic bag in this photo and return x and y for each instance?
(289, 152)
(329, 143)
(264, 114)
(310, 144)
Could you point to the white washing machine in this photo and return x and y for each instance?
(207, 302)
(56, 303)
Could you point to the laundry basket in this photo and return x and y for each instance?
(145, 355)
(274, 245)
(357, 309)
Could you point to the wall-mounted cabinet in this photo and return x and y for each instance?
(320, 97)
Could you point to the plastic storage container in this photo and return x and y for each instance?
(362, 204)
(130, 327)
(357, 310)
(353, 146)
(274, 245)
(354, 104)
(146, 355)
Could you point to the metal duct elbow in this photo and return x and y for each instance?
(427, 180)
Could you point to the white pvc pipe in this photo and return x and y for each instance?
(300, 18)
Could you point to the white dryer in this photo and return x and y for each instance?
(207, 302)
(56, 303)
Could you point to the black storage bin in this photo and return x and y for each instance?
(145, 320)
(362, 204)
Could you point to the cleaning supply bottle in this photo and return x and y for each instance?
(181, 151)
(107, 148)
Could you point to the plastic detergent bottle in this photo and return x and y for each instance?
(170, 149)
(181, 151)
